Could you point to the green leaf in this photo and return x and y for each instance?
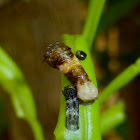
(12, 80)
(115, 12)
(89, 120)
(112, 117)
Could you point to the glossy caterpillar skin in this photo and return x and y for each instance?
(59, 56)
(72, 108)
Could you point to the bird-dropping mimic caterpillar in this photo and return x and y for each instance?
(72, 107)
(59, 56)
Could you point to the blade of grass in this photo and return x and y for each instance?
(112, 117)
(119, 8)
(12, 80)
(89, 120)
(126, 76)
(93, 17)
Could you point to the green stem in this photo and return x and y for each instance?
(89, 120)
(126, 76)
(36, 128)
(108, 19)
(112, 117)
(93, 17)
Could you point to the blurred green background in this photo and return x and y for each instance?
(27, 26)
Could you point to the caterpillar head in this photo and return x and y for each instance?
(56, 54)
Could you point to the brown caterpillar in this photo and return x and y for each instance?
(60, 56)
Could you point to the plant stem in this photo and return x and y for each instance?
(126, 76)
(89, 120)
(92, 21)
(36, 129)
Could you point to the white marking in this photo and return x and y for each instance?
(86, 91)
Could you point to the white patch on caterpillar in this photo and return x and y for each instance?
(87, 91)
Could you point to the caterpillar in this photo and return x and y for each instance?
(59, 56)
(72, 107)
